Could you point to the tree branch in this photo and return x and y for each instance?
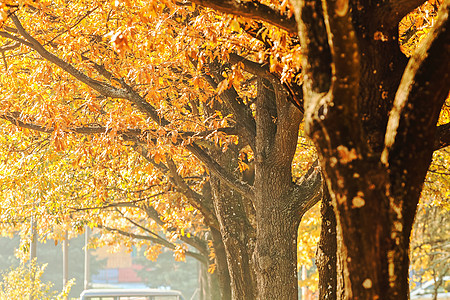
(8, 47)
(15, 38)
(194, 198)
(102, 88)
(253, 67)
(390, 13)
(442, 136)
(118, 204)
(159, 241)
(252, 10)
(309, 189)
(244, 120)
(422, 92)
(132, 135)
(315, 48)
(75, 24)
(256, 32)
(16, 119)
(128, 93)
(411, 130)
(138, 225)
(263, 71)
(180, 183)
(194, 241)
(231, 181)
(346, 58)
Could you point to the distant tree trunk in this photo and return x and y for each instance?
(223, 287)
(209, 288)
(259, 230)
(237, 233)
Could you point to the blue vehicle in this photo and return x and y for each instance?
(130, 294)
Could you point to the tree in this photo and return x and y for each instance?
(372, 114)
(177, 98)
(125, 207)
(430, 239)
(50, 255)
(24, 282)
(375, 183)
(365, 109)
(368, 123)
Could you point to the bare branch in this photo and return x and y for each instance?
(194, 241)
(75, 24)
(118, 204)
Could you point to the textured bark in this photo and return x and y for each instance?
(276, 254)
(236, 232)
(326, 251)
(373, 121)
(259, 232)
(238, 237)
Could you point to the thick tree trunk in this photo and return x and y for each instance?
(353, 72)
(373, 246)
(276, 215)
(276, 253)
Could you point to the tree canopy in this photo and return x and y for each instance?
(178, 123)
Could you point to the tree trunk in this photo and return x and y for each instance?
(237, 239)
(223, 288)
(276, 214)
(374, 151)
(326, 251)
(276, 252)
